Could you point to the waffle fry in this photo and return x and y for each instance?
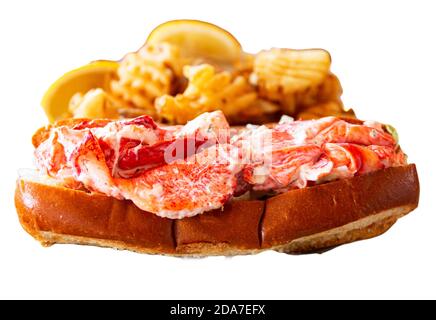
(284, 75)
(147, 74)
(328, 90)
(189, 67)
(207, 90)
(93, 104)
(286, 71)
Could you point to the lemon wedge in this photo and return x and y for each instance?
(198, 40)
(96, 74)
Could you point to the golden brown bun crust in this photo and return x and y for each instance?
(64, 211)
(298, 221)
(237, 225)
(292, 215)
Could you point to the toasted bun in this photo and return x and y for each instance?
(299, 221)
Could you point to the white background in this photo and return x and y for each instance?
(384, 53)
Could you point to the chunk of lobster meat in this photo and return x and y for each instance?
(283, 167)
(118, 136)
(138, 158)
(185, 188)
(209, 125)
(303, 131)
(296, 166)
(390, 156)
(344, 132)
(137, 145)
(335, 130)
(351, 159)
(49, 155)
(75, 155)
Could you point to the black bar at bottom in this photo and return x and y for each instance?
(227, 309)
